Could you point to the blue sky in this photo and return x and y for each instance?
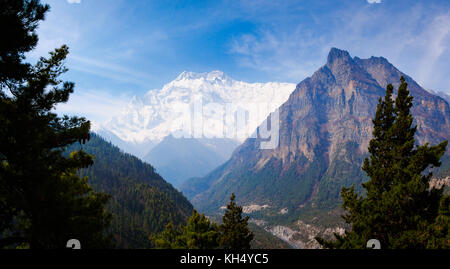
(121, 48)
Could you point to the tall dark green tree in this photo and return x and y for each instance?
(399, 208)
(43, 202)
(19, 20)
(199, 233)
(235, 233)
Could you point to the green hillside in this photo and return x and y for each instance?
(141, 201)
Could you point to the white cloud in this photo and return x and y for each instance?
(436, 41)
(96, 105)
(374, 1)
(57, 29)
(416, 40)
(290, 56)
(108, 70)
(74, 1)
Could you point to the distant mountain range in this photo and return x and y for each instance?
(145, 125)
(179, 159)
(325, 128)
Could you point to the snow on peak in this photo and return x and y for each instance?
(157, 114)
(211, 76)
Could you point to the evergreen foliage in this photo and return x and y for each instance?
(201, 233)
(399, 208)
(141, 203)
(43, 203)
(19, 20)
(234, 228)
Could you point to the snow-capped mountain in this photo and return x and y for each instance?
(193, 123)
(147, 120)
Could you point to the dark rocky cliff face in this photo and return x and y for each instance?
(325, 128)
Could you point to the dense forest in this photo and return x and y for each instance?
(141, 202)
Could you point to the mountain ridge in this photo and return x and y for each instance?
(325, 128)
(154, 116)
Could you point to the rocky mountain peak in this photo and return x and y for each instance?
(325, 129)
(337, 56)
(345, 70)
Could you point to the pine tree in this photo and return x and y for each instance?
(199, 233)
(43, 203)
(234, 229)
(170, 238)
(19, 20)
(399, 208)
